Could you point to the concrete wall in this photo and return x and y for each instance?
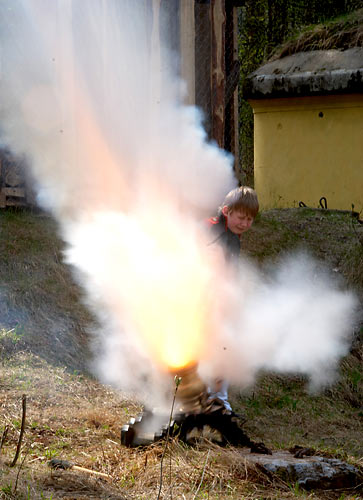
(307, 148)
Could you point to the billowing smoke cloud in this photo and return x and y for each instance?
(83, 101)
(127, 171)
(293, 320)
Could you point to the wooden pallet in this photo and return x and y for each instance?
(10, 197)
(12, 192)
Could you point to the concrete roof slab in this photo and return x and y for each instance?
(308, 73)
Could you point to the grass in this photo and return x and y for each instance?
(341, 33)
(335, 238)
(77, 419)
(38, 298)
(72, 416)
(283, 414)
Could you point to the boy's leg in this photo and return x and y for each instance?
(220, 391)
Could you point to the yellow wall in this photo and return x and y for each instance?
(301, 156)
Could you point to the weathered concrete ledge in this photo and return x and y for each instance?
(318, 72)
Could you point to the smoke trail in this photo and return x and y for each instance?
(127, 171)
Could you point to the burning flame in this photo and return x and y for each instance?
(170, 306)
(170, 283)
(160, 279)
(144, 256)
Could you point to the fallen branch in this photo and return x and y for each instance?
(21, 432)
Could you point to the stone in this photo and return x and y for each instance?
(312, 472)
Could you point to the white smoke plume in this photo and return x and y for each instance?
(292, 320)
(127, 171)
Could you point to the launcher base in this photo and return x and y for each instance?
(218, 426)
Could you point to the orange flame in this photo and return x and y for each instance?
(172, 281)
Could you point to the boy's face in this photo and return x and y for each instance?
(238, 221)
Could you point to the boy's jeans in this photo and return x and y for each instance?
(220, 391)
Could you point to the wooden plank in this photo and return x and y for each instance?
(18, 202)
(218, 12)
(231, 138)
(187, 48)
(13, 176)
(30, 196)
(203, 61)
(169, 32)
(17, 192)
(235, 114)
(2, 200)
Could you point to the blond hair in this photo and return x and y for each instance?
(242, 198)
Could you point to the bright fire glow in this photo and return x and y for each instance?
(155, 276)
(149, 264)
(169, 290)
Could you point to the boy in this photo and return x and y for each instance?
(235, 216)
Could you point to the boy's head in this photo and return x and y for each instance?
(240, 208)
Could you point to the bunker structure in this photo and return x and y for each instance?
(308, 126)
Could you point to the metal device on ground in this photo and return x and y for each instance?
(195, 417)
